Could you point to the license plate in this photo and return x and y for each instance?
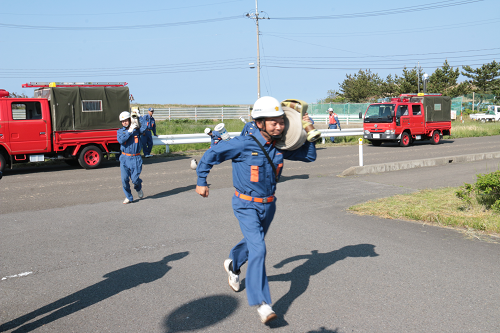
(376, 136)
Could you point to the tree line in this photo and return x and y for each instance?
(366, 86)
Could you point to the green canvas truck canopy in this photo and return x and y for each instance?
(82, 108)
(437, 108)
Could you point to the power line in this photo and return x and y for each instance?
(120, 13)
(381, 33)
(411, 9)
(121, 27)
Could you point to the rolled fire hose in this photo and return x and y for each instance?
(296, 131)
(294, 135)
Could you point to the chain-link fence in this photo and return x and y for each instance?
(353, 109)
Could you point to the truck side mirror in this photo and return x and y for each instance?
(360, 115)
(392, 113)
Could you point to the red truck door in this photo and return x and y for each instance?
(28, 131)
(403, 115)
(417, 119)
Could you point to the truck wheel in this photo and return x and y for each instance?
(405, 140)
(2, 162)
(436, 137)
(90, 157)
(376, 143)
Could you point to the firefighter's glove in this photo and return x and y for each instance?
(132, 128)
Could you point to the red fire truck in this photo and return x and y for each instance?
(407, 118)
(74, 122)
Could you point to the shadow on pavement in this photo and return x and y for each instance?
(324, 330)
(285, 178)
(115, 282)
(200, 313)
(171, 192)
(300, 275)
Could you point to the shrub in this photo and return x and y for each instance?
(486, 191)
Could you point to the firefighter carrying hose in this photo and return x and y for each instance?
(130, 158)
(257, 166)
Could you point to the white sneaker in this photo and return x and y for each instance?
(126, 201)
(140, 194)
(232, 279)
(266, 313)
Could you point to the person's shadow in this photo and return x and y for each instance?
(115, 282)
(300, 275)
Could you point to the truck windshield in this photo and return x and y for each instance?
(379, 113)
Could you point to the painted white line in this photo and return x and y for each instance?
(17, 275)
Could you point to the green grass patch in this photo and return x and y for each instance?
(470, 128)
(186, 126)
(440, 207)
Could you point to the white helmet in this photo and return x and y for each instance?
(124, 115)
(267, 107)
(207, 130)
(330, 109)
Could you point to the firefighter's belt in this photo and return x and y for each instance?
(130, 154)
(249, 198)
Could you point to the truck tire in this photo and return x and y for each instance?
(436, 137)
(3, 163)
(90, 157)
(405, 140)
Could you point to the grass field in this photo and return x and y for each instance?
(440, 207)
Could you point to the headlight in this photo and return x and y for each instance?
(390, 131)
(367, 132)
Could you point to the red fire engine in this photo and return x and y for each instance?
(407, 118)
(74, 122)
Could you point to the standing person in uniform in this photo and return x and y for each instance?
(130, 158)
(333, 122)
(254, 204)
(147, 139)
(215, 137)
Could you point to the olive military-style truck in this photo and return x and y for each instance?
(74, 122)
(408, 118)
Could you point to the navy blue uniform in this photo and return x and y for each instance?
(147, 138)
(130, 158)
(249, 128)
(215, 138)
(254, 203)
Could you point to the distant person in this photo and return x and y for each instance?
(333, 122)
(215, 137)
(147, 139)
(130, 158)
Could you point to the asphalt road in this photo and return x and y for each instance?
(73, 258)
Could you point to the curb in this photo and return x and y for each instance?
(428, 162)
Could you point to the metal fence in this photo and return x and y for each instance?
(199, 113)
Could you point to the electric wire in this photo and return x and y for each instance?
(411, 9)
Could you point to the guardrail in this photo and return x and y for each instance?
(181, 139)
(198, 113)
(343, 118)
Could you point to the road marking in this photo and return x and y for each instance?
(17, 275)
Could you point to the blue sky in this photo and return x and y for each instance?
(198, 52)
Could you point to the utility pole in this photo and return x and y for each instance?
(256, 17)
(258, 49)
(418, 77)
